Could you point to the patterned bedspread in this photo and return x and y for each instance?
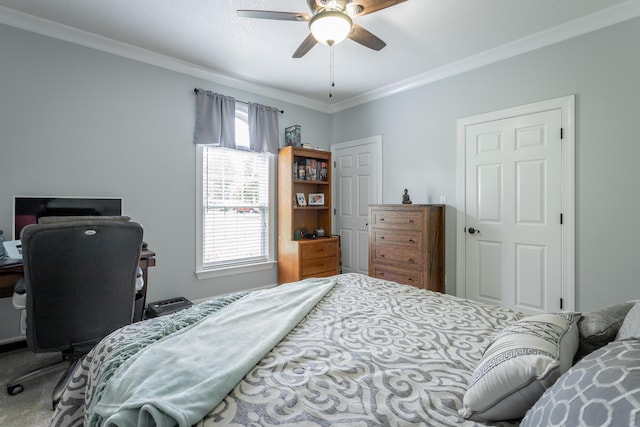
(371, 353)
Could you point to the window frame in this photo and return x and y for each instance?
(203, 272)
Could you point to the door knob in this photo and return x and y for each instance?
(473, 230)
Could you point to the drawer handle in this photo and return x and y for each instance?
(381, 219)
(381, 237)
(411, 260)
(381, 255)
(411, 241)
(381, 274)
(410, 279)
(410, 221)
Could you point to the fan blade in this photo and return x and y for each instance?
(364, 7)
(270, 14)
(314, 7)
(366, 38)
(305, 46)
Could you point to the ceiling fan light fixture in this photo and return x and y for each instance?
(330, 27)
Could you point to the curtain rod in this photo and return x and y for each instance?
(196, 90)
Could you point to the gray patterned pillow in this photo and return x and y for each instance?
(523, 361)
(631, 326)
(603, 389)
(599, 327)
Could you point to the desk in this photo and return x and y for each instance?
(9, 275)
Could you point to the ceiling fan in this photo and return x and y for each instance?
(330, 22)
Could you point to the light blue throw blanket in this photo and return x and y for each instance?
(181, 378)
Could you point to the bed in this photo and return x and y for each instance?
(369, 352)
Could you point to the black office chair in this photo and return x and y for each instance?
(79, 279)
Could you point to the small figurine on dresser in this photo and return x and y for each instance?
(405, 198)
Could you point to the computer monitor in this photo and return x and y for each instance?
(27, 209)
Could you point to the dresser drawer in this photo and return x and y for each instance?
(312, 267)
(318, 249)
(397, 219)
(321, 274)
(406, 239)
(405, 259)
(408, 277)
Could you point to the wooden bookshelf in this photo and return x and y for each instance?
(306, 256)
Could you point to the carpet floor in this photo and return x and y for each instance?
(32, 407)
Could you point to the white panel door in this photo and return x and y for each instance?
(357, 184)
(513, 205)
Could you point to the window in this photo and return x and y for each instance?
(236, 188)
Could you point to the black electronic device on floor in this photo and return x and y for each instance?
(167, 306)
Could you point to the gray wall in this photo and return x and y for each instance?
(78, 122)
(602, 68)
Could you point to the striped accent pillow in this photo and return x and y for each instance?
(522, 361)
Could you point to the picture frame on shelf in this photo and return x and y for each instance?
(301, 199)
(293, 136)
(316, 199)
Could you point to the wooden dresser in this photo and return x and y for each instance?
(406, 244)
(308, 258)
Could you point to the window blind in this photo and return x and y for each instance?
(235, 207)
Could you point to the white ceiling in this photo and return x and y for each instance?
(426, 39)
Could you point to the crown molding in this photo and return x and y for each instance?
(69, 34)
(606, 17)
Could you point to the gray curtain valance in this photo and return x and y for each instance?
(215, 123)
(215, 119)
(263, 128)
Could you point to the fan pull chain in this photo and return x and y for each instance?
(331, 71)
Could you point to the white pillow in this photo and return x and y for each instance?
(523, 361)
